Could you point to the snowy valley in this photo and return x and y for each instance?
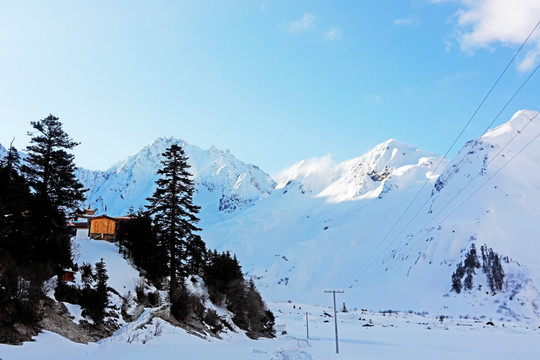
(389, 228)
(385, 226)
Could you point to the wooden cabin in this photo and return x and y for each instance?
(103, 228)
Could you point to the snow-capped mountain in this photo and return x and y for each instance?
(223, 184)
(3, 151)
(385, 167)
(390, 228)
(322, 221)
(355, 226)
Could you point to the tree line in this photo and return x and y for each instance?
(37, 195)
(163, 242)
(462, 277)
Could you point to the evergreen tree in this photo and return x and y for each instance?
(456, 278)
(467, 270)
(471, 263)
(498, 274)
(174, 214)
(220, 273)
(14, 191)
(87, 275)
(50, 170)
(12, 161)
(15, 198)
(196, 255)
(93, 297)
(471, 260)
(493, 268)
(101, 292)
(20, 285)
(139, 239)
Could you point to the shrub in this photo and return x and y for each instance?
(213, 320)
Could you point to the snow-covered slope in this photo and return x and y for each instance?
(374, 335)
(354, 226)
(386, 167)
(223, 183)
(324, 219)
(489, 195)
(383, 227)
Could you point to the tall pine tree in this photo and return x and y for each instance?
(50, 173)
(174, 214)
(50, 170)
(15, 199)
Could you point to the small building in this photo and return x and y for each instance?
(81, 229)
(69, 275)
(103, 228)
(80, 223)
(87, 224)
(88, 213)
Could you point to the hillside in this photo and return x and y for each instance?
(390, 229)
(354, 225)
(334, 226)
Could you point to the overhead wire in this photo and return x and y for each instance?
(456, 168)
(456, 196)
(453, 144)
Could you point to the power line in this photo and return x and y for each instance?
(361, 268)
(510, 100)
(459, 192)
(423, 228)
(454, 172)
(489, 178)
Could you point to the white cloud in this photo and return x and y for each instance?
(263, 7)
(412, 20)
(486, 23)
(305, 23)
(448, 45)
(333, 34)
(532, 57)
(403, 22)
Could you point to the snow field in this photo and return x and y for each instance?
(393, 335)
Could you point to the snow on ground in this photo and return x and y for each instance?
(393, 335)
(122, 276)
(295, 243)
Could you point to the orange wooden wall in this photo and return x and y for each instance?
(103, 226)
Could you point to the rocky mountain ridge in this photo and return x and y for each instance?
(224, 184)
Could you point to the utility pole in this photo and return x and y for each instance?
(307, 325)
(335, 315)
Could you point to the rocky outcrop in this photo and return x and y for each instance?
(58, 320)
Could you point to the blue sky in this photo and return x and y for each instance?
(274, 82)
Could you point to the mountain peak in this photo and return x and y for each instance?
(364, 175)
(515, 125)
(223, 183)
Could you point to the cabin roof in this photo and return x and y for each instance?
(103, 217)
